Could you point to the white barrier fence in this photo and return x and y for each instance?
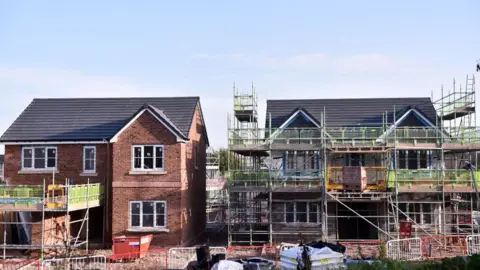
(97, 262)
(179, 258)
(408, 249)
(473, 244)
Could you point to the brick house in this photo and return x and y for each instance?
(150, 154)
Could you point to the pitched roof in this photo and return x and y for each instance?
(91, 119)
(349, 111)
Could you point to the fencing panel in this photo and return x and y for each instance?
(244, 252)
(363, 249)
(408, 249)
(443, 246)
(149, 260)
(473, 244)
(179, 258)
(14, 264)
(97, 262)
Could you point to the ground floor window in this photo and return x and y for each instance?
(148, 214)
(301, 212)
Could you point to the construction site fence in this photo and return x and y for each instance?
(87, 262)
(416, 248)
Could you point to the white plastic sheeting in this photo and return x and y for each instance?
(227, 265)
(323, 258)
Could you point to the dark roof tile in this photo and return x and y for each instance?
(348, 112)
(84, 119)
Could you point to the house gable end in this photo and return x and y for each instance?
(165, 122)
(299, 118)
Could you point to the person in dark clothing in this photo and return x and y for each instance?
(478, 67)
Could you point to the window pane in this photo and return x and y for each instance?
(289, 212)
(27, 163)
(27, 158)
(89, 165)
(89, 153)
(160, 220)
(312, 213)
(147, 208)
(137, 164)
(40, 154)
(160, 208)
(137, 151)
(27, 153)
(51, 153)
(135, 221)
(147, 220)
(158, 157)
(51, 160)
(135, 208)
(148, 157)
(301, 212)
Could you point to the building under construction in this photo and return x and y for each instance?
(216, 192)
(351, 169)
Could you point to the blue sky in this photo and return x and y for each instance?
(289, 49)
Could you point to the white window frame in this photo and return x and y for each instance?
(317, 214)
(33, 158)
(85, 148)
(141, 215)
(142, 169)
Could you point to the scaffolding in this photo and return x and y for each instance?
(412, 173)
(216, 192)
(51, 218)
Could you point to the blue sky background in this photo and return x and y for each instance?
(289, 49)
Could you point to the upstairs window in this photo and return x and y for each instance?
(148, 158)
(301, 212)
(89, 159)
(39, 157)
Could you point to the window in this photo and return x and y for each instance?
(301, 212)
(38, 158)
(148, 158)
(413, 160)
(89, 157)
(148, 214)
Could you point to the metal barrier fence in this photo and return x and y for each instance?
(179, 258)
(409, 249)
(363, 249)
(473, 244)
(97, 262)
(443, 246)
(20, 264)
(149, 260)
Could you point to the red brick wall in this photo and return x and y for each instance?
(70, 158)
(128, 187)
(195, 180)
(182, 185)
(70, 164)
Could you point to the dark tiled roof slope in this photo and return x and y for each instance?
(348, 112)
(89, 119)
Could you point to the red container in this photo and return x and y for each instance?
(405, 229)
(131, 247)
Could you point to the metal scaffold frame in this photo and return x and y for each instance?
(437, 197)
(216, 192)
(52, 202)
